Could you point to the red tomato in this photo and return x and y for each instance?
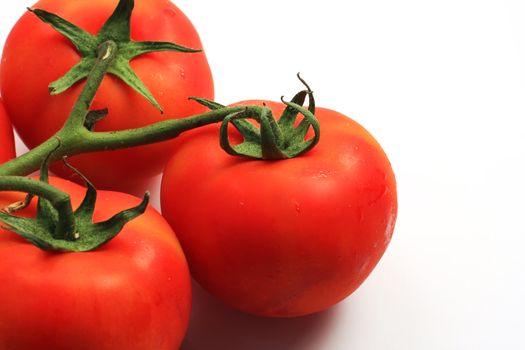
(36, 55)
(282, 238)
(132, 293)
(7, 143)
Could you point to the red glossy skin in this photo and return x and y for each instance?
(7, 142)
(133, 293)
(35, 55)
(282, 238)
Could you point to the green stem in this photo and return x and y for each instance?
(74, 138)
(107, 51)
(31, 161)
(58, 146)
(83, 140)
(160, 131)
(60, 200)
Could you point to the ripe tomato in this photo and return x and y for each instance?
(132, 293)
(7, 143)
(288, 237)
(36, 55)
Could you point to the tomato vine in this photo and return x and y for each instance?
(110, 52)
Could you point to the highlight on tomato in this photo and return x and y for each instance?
(133, 292)
(55, 56)
(281, 237)
(7, 143)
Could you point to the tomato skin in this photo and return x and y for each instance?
(282, 238)
(36, 55)
(7, 143)
(132, 293)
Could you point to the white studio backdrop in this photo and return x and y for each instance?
(441, 85)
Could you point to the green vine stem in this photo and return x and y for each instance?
(84, 140)
(58, 144)
(108, 52)
(57, 227)
(76, 137)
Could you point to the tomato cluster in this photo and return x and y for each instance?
(271, 237)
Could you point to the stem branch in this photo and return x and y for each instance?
(83, 140)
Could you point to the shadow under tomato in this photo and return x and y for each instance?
(215, 326)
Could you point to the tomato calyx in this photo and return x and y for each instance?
(116, 29)
(56, 226)
(282, 139)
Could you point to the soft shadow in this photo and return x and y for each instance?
(215, 326)
(139, 188)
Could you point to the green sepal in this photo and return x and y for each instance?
(85, 42)
(249, 131)
(123, 70)
(29, 229)
(46, 230)
(90, 236)
(77, 73)
(289, 116)
(250, 145)
(118, 25)
(133, 49)
(273, 140)
(93, 235)
(117, 29)
(296, 143)
(206, 103)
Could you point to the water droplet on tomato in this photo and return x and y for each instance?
(182, 73)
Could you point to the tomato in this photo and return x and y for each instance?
(288, 237)
(36, 55)
(132, 293)
(7, 143)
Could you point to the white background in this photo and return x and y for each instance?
(441, 84)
